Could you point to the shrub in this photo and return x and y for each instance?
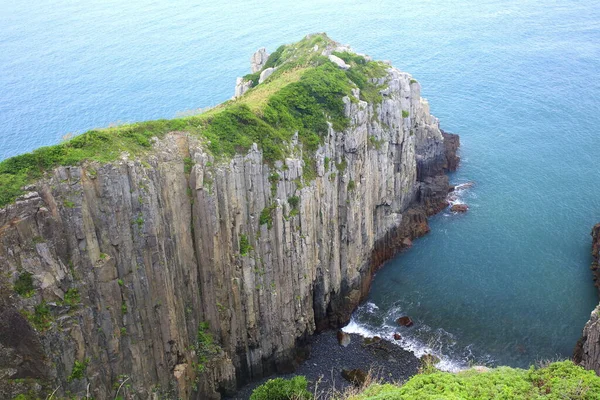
(293, 201)
(560, 380)
(244, 245)
(405, 114)
(24, 285)
(283, 389)
(78, 370)
(71, 298)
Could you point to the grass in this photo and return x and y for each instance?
(302, 96)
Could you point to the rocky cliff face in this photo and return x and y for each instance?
(587, 350)
(183, 275)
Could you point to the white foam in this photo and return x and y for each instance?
(408, 343)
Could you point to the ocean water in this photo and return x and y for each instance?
(506, 283)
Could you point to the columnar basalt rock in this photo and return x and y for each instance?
(587, 350)
(157, 251)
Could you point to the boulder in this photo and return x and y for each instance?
(241, 87)
(338, 61)
(265, 74)
(459, 208)
(258, 60)
(355, 376)
(406, 242)
(405, 321)
(397, 336)
(343, 338)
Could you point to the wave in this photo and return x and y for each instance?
(369, 321)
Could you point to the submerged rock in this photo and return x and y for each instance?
(405, 321)
(459, 208)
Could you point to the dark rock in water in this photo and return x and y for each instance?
(451, 144)
(397, 336)
(356, 376)
(429, 359)
(459, 208)
(405, 321)
(343, 338)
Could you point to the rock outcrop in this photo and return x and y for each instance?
(258, 60)
(188, 275)
(587, 350)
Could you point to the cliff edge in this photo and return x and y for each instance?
(587, 350)
(183, 258)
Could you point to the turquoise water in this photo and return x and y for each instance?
(506, 283)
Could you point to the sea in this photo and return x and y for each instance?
(508, 282)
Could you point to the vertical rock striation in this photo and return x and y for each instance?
(134, 262)
(587, 350)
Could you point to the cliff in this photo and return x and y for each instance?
(202, 256)
(587, 350)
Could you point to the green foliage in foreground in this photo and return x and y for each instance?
(283, 389)
(560, 380)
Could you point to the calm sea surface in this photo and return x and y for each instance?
(507, 283)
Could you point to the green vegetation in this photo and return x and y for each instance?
(78, 370)
(40, 318)
(351, 185)
(123, 308)
(283, 389)
(293, 202)
(244, 245)
(556, 381)
(120, 282)
(365, 75)
(188, 163)
(266, 216)
(302, 95)
(375, 143)
(413, 81)
(560, 380)
(342, 165)
(274, 178)
(405, 114)
(72, 298)
(24, 285)
(205, 346)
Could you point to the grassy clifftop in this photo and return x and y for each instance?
(303, 95)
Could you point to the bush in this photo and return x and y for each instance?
(24, 285)
(560, 380)
(283, 389)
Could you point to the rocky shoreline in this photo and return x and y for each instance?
(328, 359)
